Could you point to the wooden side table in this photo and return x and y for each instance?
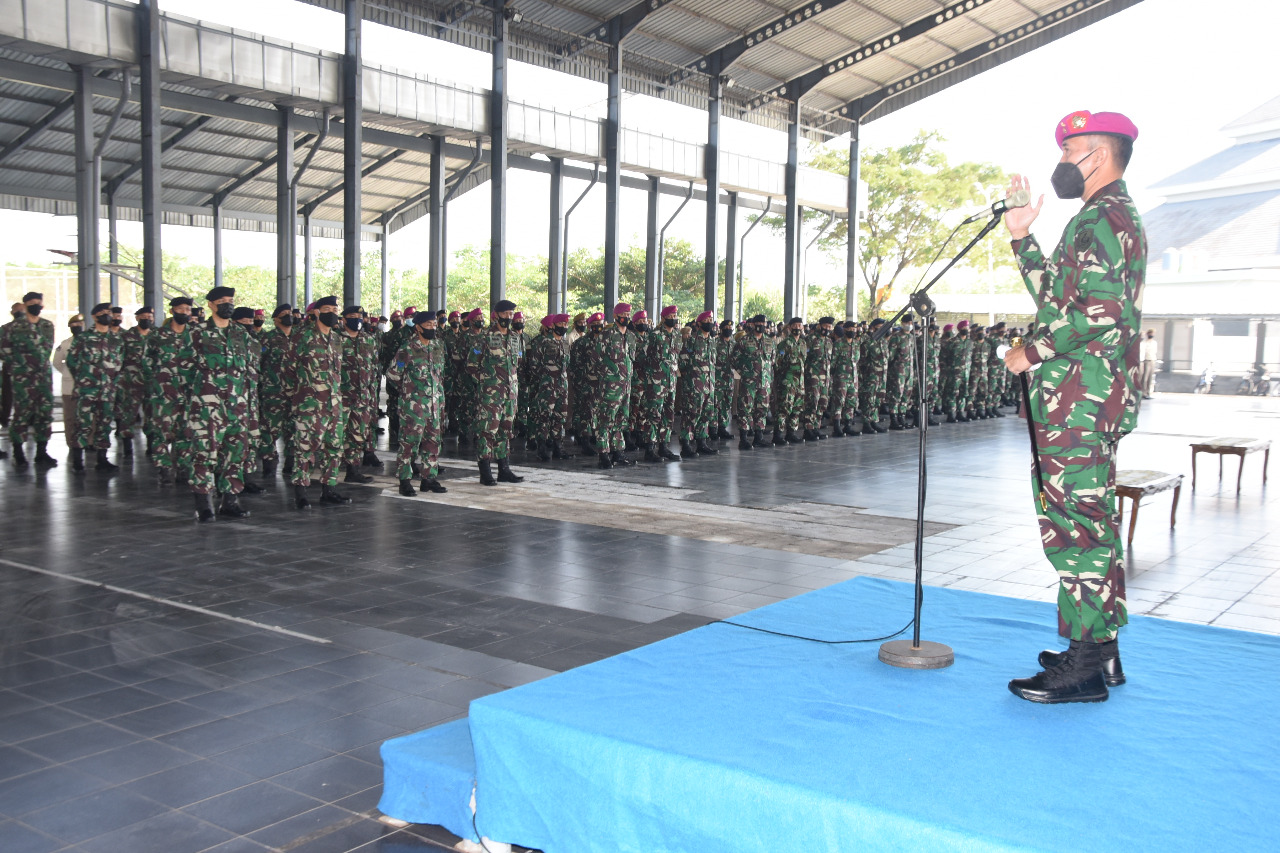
(1137, 485)
(1226, 446)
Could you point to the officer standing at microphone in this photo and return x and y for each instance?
(1084, 394)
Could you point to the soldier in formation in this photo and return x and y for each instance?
(26, 344)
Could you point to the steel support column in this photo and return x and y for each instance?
(555, 240)
(791, 211)
(385, 271)
(732, 299)
(148, 18)
(352, 144)
(286, 222)
(217, 249)
(712, 171)
(851, 261)
(86, 195)
(436, 292)
(652, 252)
(498, 158)
(113, 244)
(613, 167)
(306, 260)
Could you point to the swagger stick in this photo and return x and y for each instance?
(1031, 428)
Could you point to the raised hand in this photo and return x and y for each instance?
(1018, 219)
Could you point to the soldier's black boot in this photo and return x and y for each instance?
(1112, 671)
(269, 466)
(19, 456)
(724, 434)
(934, 421)
(792, 438)
(104, 464)
(868, 427)
(164, 477)
(300, 497)
(620, 460)
(43, 459)
(77, 459)
(760, 440)
(354, 476)
(687, 450)
(544, 451)
(778, 438)
(744, 440)
(605, 463)
(818, 433)
(630, 442)
(1077, 677)
(996, 413)
(330, 495)
(287, 468)
(665, 452)
(431, 484)
(371, 460)
(557, 452)
(127, 445)
(486, 473)
(587, 444)
(505, 474)
(810, 435)
(895, 422)
(204, 508)
(231, 507)
(407, 489)
(651, 455)
(250, 487)
(951, 416)
(705, 449)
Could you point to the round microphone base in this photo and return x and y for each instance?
(927, 655)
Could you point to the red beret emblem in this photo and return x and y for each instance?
(1078, 122)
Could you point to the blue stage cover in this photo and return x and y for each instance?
(723, 739)
(428, 777)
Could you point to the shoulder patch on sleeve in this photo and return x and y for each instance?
(1084, 239)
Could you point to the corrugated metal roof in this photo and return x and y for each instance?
(1239, 163)
(1240, 225)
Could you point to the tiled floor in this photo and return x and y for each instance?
(249, 717)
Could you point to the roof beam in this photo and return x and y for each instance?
(266, 165)
(42, 124)
(727, 54)
(384, 160)
(626, 21)
(187, 131)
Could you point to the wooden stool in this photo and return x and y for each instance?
(1241, 447)
(1137, 485)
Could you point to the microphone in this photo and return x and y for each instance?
(1020, 198)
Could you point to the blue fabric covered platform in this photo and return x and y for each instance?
(723, 739)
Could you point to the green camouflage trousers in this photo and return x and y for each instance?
(816, 396)
(419, 441)
(1081, 530)
(167, 418)
(217, 448)
(318, 428)
(608, 419)
(696, 413)
(359, 427)
(753, 404)
(657, 411)
(275, 424)
(844, 397)
(902, 382)
(32, 408)
(494, 420)
(722, 413)
(790, 403)
(93, 417)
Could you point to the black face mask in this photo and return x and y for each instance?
(75, 330)
(145, 324)
(477, 324)
(428, 334)
(225, 310)
(102, 319)
(286, 320)
(1067, 179)
(708, 327)
(795, 333)
(116, 321)
(641, 328)
(354, 323)
(182, 319)
(330, 319)
(34, 310)
(622, 321)
(579, 328)
(595, 330)
(559, 331)
(669, 322)
(759, 330)
(517, 327)
(839, 333)
(504, 322)
(453, 324)
(257, 324)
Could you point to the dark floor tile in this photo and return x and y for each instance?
(16, 838)
(357, 695)
(239, 844)
(331, 778)
(251, 808)
(190, 783)
(272, 756)
(410, 714)
(69, 687)
(126, 763)
(300, 682)
(110, 703)
(236, 700)
(411, 679)
(353, 837)
(15, 761)
(38, 722)
(288, 715)
(163, 719)
(44, 787)
(76, 743)
(346, 733)
(460, 693)
(92, 815)
(286, 834)
(170, 832)
(216, 736)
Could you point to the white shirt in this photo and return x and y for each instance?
(1149, 349)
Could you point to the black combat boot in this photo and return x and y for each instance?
(371, 460)
(486, 473)
(819, 434)
(996, 413)
(588, 445)
(760, 440)
(19, 456)
(104, 464)
(269, 466)
(354, 476)
(407, 489)
(164, 477)
(300, 497)
(744, 440)
(77, 459)
(431, 484)
(650, 455)
(544, 450)
(724, 434)
(151, 451)
(605, 463)
(837, 428)
(126, 445)
(778, 438)
(531, 444)
(951, 416)
(934, 421)
(1109, 650)
(330, 495)
(687, 450)
(287, 468)
(792, 438)
(204, 508)
(705, 449)
(250, 487)
(557, 452)
(665, 452)
(505, 474)
(895, 422)
(868, 427)
(231, 507)
(43, 459)
(810, 435)
(1077, 677)
(630, 442)
(619, 460)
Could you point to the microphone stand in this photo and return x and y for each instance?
(916, 653)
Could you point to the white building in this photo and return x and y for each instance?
(1213, 282)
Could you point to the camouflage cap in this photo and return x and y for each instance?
(75, 318)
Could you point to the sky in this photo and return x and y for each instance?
(1177, 71)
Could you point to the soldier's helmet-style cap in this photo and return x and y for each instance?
(475, 314)
(795, 320)
(561, 318)
(286, 308)
(454, 315)
(706, 317)
(409, 311)
(75, 318)
(670, 311)
(963, 324)
(948, 327)
(822, 320)
(759, 318)
(549, 321)
(327, 300)
(145, 309)
(219, 293)
(596, 318)
(180, 300)
(242, 313)
(622, 308)
(879, 321)
(504, 305)
(581, 317)
(31, 294)
(1083, 122)
(100, 307)
(517, 316)
(641, 315)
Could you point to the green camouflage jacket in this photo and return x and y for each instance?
(94, 361)
(26, 347)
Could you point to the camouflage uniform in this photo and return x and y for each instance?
(610, 354)
(949, 349)
(252, 434)
(964, 370)
(319, 422)
(465, 382)
(389, 344)
(789, 384)
(996, 371)
(548, 372)
(275, 392)
(94, 360)
(492, 362)
(722, 410)
(817, 379)
(873, 364)
(698, 386)
(844, 379)
(1084, 397)
(753, 358)
(25, 348)
(359, 367)
(218, 414)
(977, 396)
(417, 371)
(132, 398)
(170, 370)
(581, 385)
(902, 371)
(658, 381)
